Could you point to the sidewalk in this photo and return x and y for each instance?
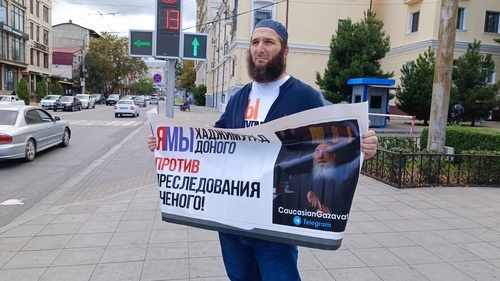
(95, 229)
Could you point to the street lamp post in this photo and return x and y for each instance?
(84, 71)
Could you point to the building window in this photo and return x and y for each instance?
(31, 7)
(37, 33)
(45, 37)
(340, 22)
(37, 10)
(45, 61)
(261, 15)
(4, 46)
(32, 57)
(32, 30)
(461, 19)
(18, 49)
(17, 20)
(413, 24)
(491, 23)
(46, 14)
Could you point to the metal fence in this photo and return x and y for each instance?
(410, 170)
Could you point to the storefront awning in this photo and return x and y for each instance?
(66, 82)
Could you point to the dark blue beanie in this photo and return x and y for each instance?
(274, 25)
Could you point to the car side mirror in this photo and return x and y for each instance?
(56, 118)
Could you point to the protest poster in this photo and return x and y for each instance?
(260, 181)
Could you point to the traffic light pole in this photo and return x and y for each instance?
(170, 98)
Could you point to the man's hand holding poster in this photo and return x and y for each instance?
(291, 180)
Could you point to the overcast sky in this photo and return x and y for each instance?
(116, 15)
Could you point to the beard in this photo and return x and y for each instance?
(323, 171)
(268, 72)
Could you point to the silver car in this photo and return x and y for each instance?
(88, 101)
(48, 101)
(27, 130)
(126, 106)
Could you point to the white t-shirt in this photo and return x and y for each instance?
(260, 100)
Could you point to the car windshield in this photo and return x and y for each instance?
(66, 99)
(125, 102)
(51, 98)
(113, 96)
(82, 97)
(5, 98)
(8, 117)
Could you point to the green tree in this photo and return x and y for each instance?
(56, 88)
(188, 76)
(23, 92)
(415, 94)
(354, 52)
(199, 95)
(41, 89)
(108, 63)
(144, 86)
(470, 72)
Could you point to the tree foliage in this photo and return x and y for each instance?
(23, 92)
(470, 72)
(199, 95)
(415, 93)
(41, 89)
(56, 88)
(143, 86)
(108, 62)
(188, 76)
(355, 52)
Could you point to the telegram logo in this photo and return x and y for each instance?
(297, 220)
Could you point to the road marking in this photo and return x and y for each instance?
(105, 123)
(12, 202)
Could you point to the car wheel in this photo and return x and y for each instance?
(65, 138)
(73, 108)
(55, 110)
(79, 107)
(93, 106)
(30, 150)
(116, 114)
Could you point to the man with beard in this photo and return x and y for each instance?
(272, 94)
(330, 185)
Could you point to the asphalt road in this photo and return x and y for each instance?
(94, 132)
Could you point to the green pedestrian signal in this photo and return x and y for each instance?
(195, 46)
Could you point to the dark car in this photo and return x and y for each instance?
(99, 98)
(112, 99)
(68, 103)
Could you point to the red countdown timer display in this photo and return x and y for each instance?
(168, 28)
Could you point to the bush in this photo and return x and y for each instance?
(56, 88)
(199, 94)
(467, 138)
(23, 92)
(41, 89)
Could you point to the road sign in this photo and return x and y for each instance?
(194, 46)
(168, 28)
(157, 78)
(140, 43)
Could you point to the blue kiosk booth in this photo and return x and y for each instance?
(376, 92)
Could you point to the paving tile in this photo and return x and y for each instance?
(111, 208)
(44, 219)
(64, 273)
(377, 257)
(359, 216)
(414, 214)
(461, 223)
(315, 275)
(398, 273)
(169, 250)
(130, 238)
(135, 225)
(206, 267)
(31, 259)
(359, 241)
(177, 269)
(402, 225)
(89, 240)
(456, 236)
(13, 244)
(392, 239)
(139, 215)
(196, 234)
(24, 274)
(105, 216)
(372, 226)
(23, 231)
(353, 274)
(414, 255)
(60, 228)
(307, 261)
(117, 271)
(71, 218)
(80, 209)
(198, 249)
(151, 206)
(485, 234)
(98, 227)
(5, 257)
(425, 238)
(451, 253)
(483, 250)
(47, 242)
(174, 235)
(441, 272)
(125, 253)
(338, 259)
(479, 270)
(385, 215)
(78, 256)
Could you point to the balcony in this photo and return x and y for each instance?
(411, 2)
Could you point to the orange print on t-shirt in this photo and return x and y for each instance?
(252, 111)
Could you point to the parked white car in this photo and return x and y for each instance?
(48, 101)
(88, 101)
(10, 100)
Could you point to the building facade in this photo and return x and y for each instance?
(71, 43)
(412, 25)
